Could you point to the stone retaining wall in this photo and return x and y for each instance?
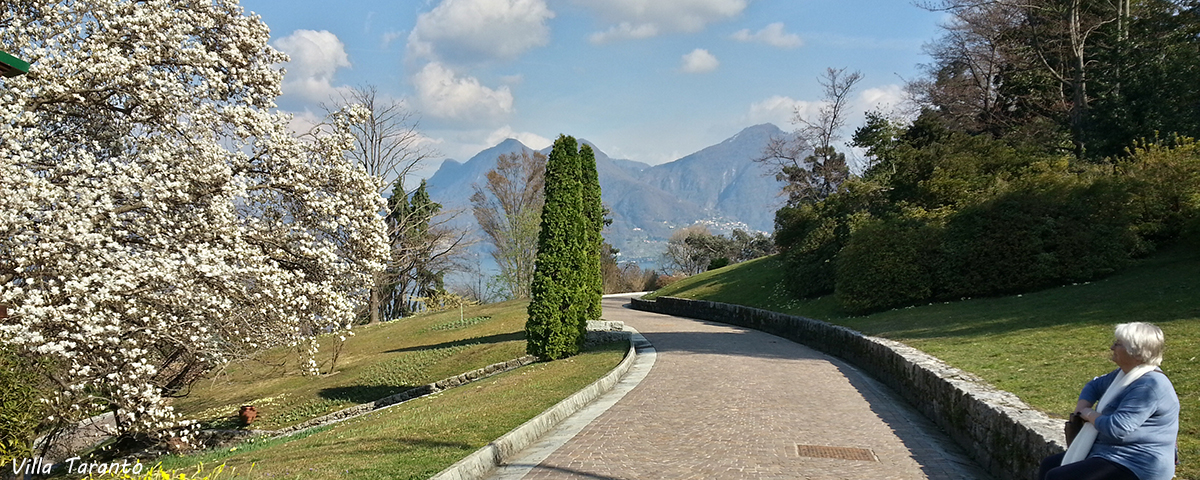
(1006, 436)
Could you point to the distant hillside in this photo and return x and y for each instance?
(720, 185)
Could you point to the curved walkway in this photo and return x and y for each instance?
(727, 402)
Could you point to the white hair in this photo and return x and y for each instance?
(1143, 341)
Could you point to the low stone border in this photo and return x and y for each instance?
(412, 393)
(482, 461)
(218, 438)
(1006, 436)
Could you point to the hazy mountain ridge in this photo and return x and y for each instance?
(719, 185)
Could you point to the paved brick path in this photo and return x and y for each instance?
(727, 402)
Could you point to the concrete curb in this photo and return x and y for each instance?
(479, 464)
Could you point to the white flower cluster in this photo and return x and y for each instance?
(157, 218)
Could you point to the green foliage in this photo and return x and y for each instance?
(814, 244)
(410, 273)
(718, 263)
(593, 212)
(810, 236)
(1081, 71)
(887, 263)
(1147, 83)
(19, 412)
(1055, 231)
(557, 322)
(1165, 183)
(947, 215)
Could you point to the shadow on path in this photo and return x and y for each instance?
(570, 473)
(928, 444)
(938, 456)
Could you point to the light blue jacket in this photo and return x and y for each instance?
(1138, 428)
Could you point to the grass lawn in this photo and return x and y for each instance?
(419, 438)
(379, 360)
(1042, 346)
(413, 440)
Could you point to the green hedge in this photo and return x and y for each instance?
(886, 263)
(971, 217)
(1051, 233)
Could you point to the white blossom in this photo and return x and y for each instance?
(157, 218)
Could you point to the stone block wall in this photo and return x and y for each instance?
(1007, 437)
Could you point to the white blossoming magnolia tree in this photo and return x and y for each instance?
(157, 218)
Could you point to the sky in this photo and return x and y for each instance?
(644, 80)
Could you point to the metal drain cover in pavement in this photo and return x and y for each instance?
(842, 453)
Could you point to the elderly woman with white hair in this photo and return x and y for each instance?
(1132, 416)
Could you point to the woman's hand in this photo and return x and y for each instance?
(1084, 409)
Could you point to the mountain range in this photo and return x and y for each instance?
(720, 186)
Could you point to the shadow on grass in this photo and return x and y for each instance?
(497, 338)
(362, 393)
(430, 444)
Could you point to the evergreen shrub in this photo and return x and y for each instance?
(556, 325)
(1054, 231)
(1164, 185)
(886, 263)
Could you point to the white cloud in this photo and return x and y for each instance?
(781, 111)
(445, 95)
(625, 31)
(635, 19)
(303, 122)
(315, 58)
(885, 98)
(531, 140)
(387, 38)
(773, 35)
(700, 61)
(480, 30)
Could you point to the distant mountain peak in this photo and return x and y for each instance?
(510, 143)
(719, 185)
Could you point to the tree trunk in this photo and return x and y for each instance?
(375, 299)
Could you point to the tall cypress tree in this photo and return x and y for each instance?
(556, 324)
(593, 213)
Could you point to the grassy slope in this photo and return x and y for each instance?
(1042, 346)
(419, 438)
(412, 440)
(377, 361)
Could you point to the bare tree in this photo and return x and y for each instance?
(1058, 36)
(968, 61)
(684, 256)
(807, 160)
(509, 210)
(388, 145)
(476, 285)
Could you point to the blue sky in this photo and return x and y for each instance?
(645, 80)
